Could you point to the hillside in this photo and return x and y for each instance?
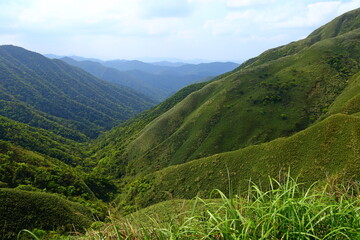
(48, 110)
(274, 95)
(60, 95)
(155, 81)
(329, 149)
(47, 212)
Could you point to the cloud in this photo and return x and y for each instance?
(63, 15)
(85, 17)
(245, 3)
(315, 14)
(166, 8)
(280, 17)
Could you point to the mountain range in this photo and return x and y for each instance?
(64, 132)
(158, 80)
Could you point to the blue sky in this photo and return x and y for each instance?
(185, 29)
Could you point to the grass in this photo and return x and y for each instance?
(288, 210)
(328, 148)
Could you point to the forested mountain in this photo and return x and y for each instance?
(53, 95)
(48, 109)
(155, 81)
(293, 107)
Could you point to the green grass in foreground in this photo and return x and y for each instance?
(286, 211)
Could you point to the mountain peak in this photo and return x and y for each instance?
(345, 23)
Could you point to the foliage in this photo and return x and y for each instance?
(26, 170)
(41, 141)
(28, 210)
(287, 210)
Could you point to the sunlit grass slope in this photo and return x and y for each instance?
(348, 102)
(329, 148)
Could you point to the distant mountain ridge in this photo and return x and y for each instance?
(157, 80)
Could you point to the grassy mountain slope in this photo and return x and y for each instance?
(111, 145)
(87, 104)
(272, 97)
(348, 102)
(329, 148)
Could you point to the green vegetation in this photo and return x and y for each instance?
(111, 145)
(23, 169)
(286, 210)
(24, 209)
(42, 141)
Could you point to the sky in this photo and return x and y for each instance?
(215, 30)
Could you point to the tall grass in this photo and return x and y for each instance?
(287, 211)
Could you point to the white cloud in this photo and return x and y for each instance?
(293, 15)
(79, 17)
(166, 8)
(245, 3)
(316, 14)
(62, 15)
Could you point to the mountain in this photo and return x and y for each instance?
(139, 83)
(291, 91)
(48, 111)
(76, 58)
(214, 68)
(59, 94)
(168, 64)
(157, 81)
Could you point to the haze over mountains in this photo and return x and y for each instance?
(293, 107)
(155, 80)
